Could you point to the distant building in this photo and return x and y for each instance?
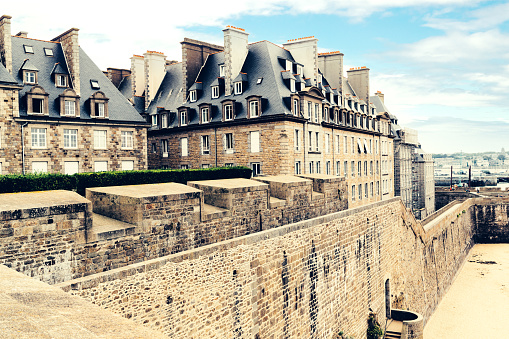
(423, 184)
(59, 113)
(277, 110)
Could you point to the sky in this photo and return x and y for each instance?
(443, 65)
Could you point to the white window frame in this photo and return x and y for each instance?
(127, 165)
(228, 112)
(238, 87)
(40, 163)
(70, 138)
(318, 167)
(101, 166)
(297, 167)
(292, 85)
(228, 143)
(327, 143)
(38, 136)
(183, 118)
(127, 139)
(317, 109)
(101, 108)
(215, 92)
(222, 70)
(297, 140)
(192, 95)
(184, 147)
(100, 139)
(154, 120)
(254, 109)
(164, 148)
(204, 115)
(296, 107)
(70, 107)
(71, 167)
(61, 80)
(30, 77)
(317, 141)
(205, 144)
(164, 121)
(255, 141)
(256, 167)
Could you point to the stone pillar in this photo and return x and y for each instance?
(235, 52)
(155, 69)
(71, 48)
(5, 42)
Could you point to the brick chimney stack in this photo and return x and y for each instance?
(71, 48)
(194, 54)
(235, 52)
(22, 34)
(155, 68)
(358, 78)
(5, 42)
(137, 75)
(331, 65)
(380, 95)
(305, 51)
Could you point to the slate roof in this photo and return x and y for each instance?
(5, 76)
(119, 108)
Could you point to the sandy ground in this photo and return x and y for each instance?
(477, 304)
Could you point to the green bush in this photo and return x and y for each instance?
(81, 181)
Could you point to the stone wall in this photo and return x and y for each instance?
(443, 197)
(307, 279)
(492, 220)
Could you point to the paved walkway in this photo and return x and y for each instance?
(477, 304)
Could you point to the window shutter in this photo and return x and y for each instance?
(255, 142)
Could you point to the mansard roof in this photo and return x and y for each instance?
(6, 77)
(119, 108)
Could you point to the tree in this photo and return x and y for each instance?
(501, 157)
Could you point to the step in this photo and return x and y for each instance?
(105, 228)
(210, 212)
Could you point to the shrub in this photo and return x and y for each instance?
(36, 182)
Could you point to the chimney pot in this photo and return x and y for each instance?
(22, 34)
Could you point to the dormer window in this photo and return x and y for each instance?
(228, 110)
(238, 87)
(292, 85)
(61, 80)
(154, 120)
(302, 86)
(30, 77)
(99, 105)
(319, 78)
(221, 70)
(254, 106)
(192, 96)
(204, 113)
(95, 84)
(215, 92)
(296, 107)
(48, 52)
(164, 120)
(299, 69)
(288, 65)
(326, 114)
(183, 118)
(70, 108)
(28, 49)
(37, 101)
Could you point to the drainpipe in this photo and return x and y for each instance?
(215, 137)
(23, 147)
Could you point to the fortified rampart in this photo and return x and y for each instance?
(277, 261)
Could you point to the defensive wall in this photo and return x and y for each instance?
(281, 257)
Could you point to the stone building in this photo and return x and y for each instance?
(59, 113)
(414, 178)
(277, 110)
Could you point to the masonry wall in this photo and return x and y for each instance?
(308, 279)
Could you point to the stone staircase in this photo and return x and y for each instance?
(394, 329)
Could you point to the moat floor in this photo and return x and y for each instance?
(477, 304)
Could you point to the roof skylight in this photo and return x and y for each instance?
(48, 52)
(28, 49)
(95, 84)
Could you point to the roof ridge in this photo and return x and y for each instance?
(23, 37)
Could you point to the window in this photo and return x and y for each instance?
(371, 188)
(318, 167)
(30, 77)
(70, 138)
(205, 165)
(204, 115)
(61, 80)
(215, 92)
(359, 168)
(205, 144)
(296, 107)
(253, 109)
(48, 52)
(100, 166)
(154, 120)
(37, 105)
(365, 168)
(317, 139)
(366, 190)
(371, 168)
(192, 96)
(94, 84)
(310, 108)
(221, 70)
(38, 137)
(337, 144)
(338, 167)
(126, 139)
(238, 87)
(360, 191)
(164, 148)
(99, 105)
(28, 49)
(326, 114)
(100, 139)
(370, 146)
(353, 192)
(288, 65)
(310, 141)
(71, 167)
(353, 168)
(229, 164)
(377, 167)
(297, 140)
(327, 168)
(228, 112)
(345, 168)
(292, 85)
(70, 107)
(377, 187)
(127, 165)
(297, 167)
(228, 143)
(327, 143)
(184, 147)
(154, 147)
(317, 109)
(164, 120)
(259, 81)
(184, 166)
(255, 141)
(256, 167)
(183, 118)
(311, 167)
(345, 143)
(39, 167)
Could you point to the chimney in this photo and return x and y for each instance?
(194, 54)
(304, 51)
(155, 68)
(137, 75)
(22, 34)
(331, 65)
(116, 75)
(358, 77)
(235, 52)
(5, 42)
(380, 95)
(71, 48)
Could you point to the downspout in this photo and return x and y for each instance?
(23, 147)
(304, 124)
(215, 137)
(333, 151)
